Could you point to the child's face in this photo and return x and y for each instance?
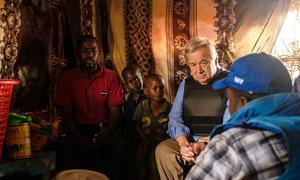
(154, 89)
(134, 81)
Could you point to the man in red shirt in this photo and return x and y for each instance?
(90, 98)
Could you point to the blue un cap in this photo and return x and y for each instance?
(257, 73)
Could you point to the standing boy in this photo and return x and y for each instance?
(133, 79)
(151, 118)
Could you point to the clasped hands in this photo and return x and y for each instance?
(190, 150)
(87, 148)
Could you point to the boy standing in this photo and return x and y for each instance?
(132, 77)
(151, 118)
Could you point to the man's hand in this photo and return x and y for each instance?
(187, 152)
(197, 147)
(190, 151)
(102, 137)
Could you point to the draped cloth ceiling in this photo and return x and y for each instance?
(258, 24)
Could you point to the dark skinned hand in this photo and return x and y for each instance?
(102, 137)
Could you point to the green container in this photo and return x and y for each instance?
(17, 119)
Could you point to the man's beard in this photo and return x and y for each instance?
(89, 65)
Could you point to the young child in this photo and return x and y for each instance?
(151, 118)
(132, 77)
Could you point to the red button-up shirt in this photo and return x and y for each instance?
(90, 99)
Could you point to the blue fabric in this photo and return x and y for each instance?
(257, 73)
(129, 107)
(176, 126)
(278, 113)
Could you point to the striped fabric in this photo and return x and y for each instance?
(241, 153)
(147, 36)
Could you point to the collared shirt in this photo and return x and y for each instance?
(176, 126)
(240, 153)
(227, 115)
(90, 99)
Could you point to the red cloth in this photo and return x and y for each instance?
(89, 98)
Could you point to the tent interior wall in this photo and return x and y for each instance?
(149, 33)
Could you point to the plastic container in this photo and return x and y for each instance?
(18, 141)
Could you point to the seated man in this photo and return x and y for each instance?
(197, 108)
(90, 98)
(260, 141)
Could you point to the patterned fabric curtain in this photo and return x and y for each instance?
(258, 24)
(32, 66)
(152, 34)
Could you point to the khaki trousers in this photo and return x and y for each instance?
(169, 163)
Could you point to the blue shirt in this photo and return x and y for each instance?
(176, 126)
